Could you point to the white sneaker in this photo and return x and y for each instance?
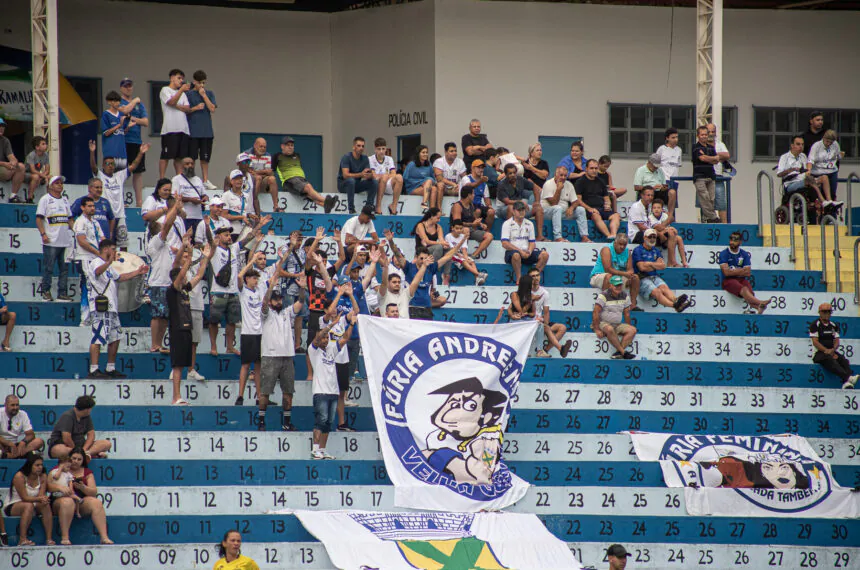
(317, 455)
(836, 203)
(209, 186)
(826, 203)
(195, 376)
(325, 454)
(851, 382)
(350, 404)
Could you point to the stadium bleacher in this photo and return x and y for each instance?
(178, 478)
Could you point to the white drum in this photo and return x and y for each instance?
(129, 293)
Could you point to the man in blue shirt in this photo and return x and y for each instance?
(421, 304)
(647, 260)
(735, 266)
(202, 103)
(355, 175)
(113, 130)
(134, 108)
(704, 175)
(575, 163)
(104, 213)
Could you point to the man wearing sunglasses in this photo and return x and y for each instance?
(648, 260)
(17, 437)
(825, 338)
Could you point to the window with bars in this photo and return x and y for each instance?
(774, 127)
(155, 115)
(636, 130)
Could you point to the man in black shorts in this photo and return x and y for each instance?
(251, 341)
(825, 338)
(287, 165)
(202, 103)
(174, 124)
(179, 311)
(595, 198)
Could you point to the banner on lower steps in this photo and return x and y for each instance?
(437, 541)
(733, 475)
(442, 396)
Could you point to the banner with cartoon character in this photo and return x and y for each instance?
(442, 395)
(356, 540)
(735, 475)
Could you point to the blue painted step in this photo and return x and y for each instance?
(144, 366)
(569, 528)
(244, 418)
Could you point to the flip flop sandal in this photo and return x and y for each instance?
(394, 213)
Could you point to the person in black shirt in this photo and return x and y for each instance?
(536, 168)
(474, 143)
(704, 176)
(179, 311)
(825, 338)
(815, 132)
(594, 195)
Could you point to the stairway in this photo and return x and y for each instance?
(817, 255)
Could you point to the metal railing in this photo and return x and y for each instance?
(856, 272)
(804, 228)
(849, 181)
(836, 254)
(764, 174)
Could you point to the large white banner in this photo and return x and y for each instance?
(434, 541)
(442, 396)
(760, 476)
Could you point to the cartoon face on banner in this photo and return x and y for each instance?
(771, 475)
(467, 382)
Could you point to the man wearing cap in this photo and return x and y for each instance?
(174, 125)
(610, 318)
(201, 133)
(647, 260)
(236, 206)
(617, 556)
(651, 174)
(825, 339)
(212, 222)
(477, 182)
(359, 230)
(249, 189)
(10, 168)
(54, 220)
(134, 108)
(518, 241)
(735, 266)
(113, 183)
(355, 175)
(287, 166)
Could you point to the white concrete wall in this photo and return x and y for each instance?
(550, 69)
(270, 70)
(383, 73)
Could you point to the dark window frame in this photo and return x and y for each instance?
(846, 123)
(156, 118)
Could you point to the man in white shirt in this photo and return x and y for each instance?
(189, 188)
(261, 170)
(385, 174)
(212, 222)
(449, 169)
(792, 170)
(670, 158)
(236, 206)
(721, 203)
(323, 354)
(277, 352)
(249, 187)
(637, 216)
(518, 241)
(174, 126)
(17, 437)
(392, 292)
(558, 198)
(161, 257)
(106, 329)
(357, 229)
(54, 220)
(651, 175)
(251, 339)
(88, 235)
(113, 181)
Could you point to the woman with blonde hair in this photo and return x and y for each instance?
(824, 166)
(536, 168)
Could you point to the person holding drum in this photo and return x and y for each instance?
(102, 294)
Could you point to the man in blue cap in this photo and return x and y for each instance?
(137, 118)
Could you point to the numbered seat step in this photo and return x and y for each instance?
(590, 528)
(702, 256)
(64, 365)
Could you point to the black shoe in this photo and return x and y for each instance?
(261, 424)
(289, 427)
(4, 539)
(240, 401)
(116, 374)
(301, 350)
(617, 356)
(352, 211)
(98, 375)
(344, 427)
(637, 308)
(15, 200)
(629, 356)
(330, 203)
(66, 298)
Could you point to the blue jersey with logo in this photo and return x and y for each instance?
(113, 145)
(642, 254)
(735, 260)
(139, 112)
(422, 294)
